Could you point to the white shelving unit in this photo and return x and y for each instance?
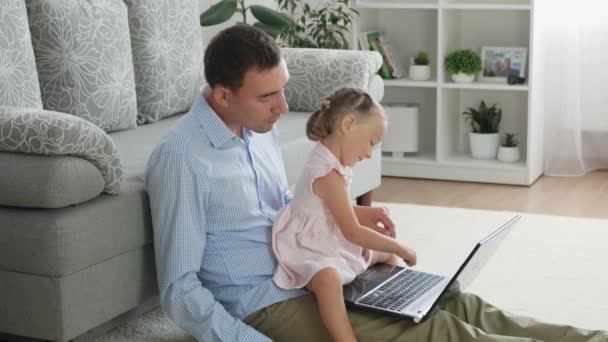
(440, 27)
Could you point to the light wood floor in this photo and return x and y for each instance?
(585, 196)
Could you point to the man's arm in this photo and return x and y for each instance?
(287, 195)
(177, 200)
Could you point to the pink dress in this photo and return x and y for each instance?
(306, 238)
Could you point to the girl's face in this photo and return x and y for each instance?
(361, 136)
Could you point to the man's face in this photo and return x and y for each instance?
(260, 101)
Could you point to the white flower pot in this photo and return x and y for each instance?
(420, 72)
(463, 78)
(484, 145)
(508, 154)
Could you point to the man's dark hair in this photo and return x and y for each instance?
(234, 51)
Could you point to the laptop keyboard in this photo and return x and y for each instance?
(402, 290)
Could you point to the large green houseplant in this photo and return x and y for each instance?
(269, 20)
(299, 25)
(484, 136)
(325, 26)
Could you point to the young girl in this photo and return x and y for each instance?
(317, 238)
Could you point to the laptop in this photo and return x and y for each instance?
(413, 294)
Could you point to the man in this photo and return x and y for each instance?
(216, 183)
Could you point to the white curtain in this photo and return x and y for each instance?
(571, 43)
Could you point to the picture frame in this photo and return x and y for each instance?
(498, 63)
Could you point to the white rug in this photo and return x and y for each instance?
(550, 267)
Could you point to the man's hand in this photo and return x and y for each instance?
(376, 218)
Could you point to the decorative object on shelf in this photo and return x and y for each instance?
(463, 65)
(325, 27)
(508, 151)
(484, 136)
(512, 79)
(269, 20)
(420, 70)
(377, 41)
(502, 63)
(402, 133)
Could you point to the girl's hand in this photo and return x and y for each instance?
(377, 219)
(408, 255)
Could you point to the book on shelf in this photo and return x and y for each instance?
(377, 41)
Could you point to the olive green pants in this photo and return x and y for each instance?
(459, 317)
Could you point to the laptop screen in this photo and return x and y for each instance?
(482, 252)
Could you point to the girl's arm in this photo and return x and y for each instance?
(331, 190)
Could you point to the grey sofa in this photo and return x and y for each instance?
(75, 230)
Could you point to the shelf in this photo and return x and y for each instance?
(487, 7)
(484, 86)
(423, 157)
(465, 160)
(487, 4)
(406, 82)
(395, 4)
(440, 27)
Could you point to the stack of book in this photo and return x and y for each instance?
(377, 41)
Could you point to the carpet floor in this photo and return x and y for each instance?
(549, 267)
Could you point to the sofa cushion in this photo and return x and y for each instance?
(57, 242)
(52, 133)
(62, 241)
(38, 181)
(316, 73)
(83, 56)
(167, 47)
(18, 78)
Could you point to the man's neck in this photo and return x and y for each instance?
(223, 115)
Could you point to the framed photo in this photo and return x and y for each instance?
(498, 63)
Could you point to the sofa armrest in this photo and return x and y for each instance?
(316, 73)
(35, 131)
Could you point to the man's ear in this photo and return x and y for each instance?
(348, 121)
(221, 95)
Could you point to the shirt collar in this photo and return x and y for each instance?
(214, 127)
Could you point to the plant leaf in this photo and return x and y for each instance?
(273, 31)
(218, 13)
(271, 17)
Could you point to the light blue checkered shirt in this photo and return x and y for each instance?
(213, 198)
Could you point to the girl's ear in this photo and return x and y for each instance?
(348, 121)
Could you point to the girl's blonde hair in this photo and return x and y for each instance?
(344, 100)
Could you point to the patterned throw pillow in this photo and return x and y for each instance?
(167, 46)
(49, 133)
(18, 78)
(316, 73)
(83, 55)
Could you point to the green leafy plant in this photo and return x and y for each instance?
(508, 140)
(465, 61)
(325, 27)
(485, 119)
(269, 20)
(421, 58)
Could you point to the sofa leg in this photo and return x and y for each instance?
(365, 199)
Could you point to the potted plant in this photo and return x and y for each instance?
(420, 70)
(508, 151)
(269, 20)
(463, 65)
(484, 136)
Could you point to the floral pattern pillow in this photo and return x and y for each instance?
(51, 133)
(167, 42)
(83, 55)
(18, 78)
(315, 73)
